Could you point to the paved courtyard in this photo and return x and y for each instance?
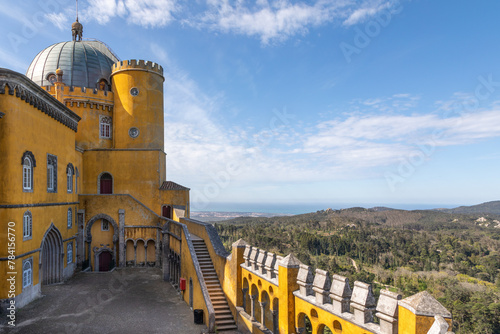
(132, 300)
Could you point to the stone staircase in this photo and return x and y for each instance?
(223, 316)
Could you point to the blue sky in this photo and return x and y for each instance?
(362, 102)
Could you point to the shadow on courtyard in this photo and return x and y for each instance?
(131, 300)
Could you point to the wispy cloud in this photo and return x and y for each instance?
(267, 20)
(146, 13)
(366, 11)
(280, 20)
(60, 20)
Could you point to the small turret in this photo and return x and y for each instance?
(138, 116)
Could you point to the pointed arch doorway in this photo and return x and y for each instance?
(52, 256)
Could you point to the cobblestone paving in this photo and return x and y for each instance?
(130, 300)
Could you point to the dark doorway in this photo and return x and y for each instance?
(51, 258)
(167, 212)
(105, 261)
(106, 184)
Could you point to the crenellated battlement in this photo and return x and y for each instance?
(83, 92)
(134, 64)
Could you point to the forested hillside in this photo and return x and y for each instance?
(454, 256)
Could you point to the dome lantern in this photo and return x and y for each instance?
(77, 27)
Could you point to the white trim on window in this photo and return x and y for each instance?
(27, 225)
(27, 272)
(69, 180)
(70, 218)
(27, 174)
(69, 252)
(105, 127)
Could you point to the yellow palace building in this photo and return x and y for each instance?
(83, 186)
(82, 164)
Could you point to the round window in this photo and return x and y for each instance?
(134, 91)
(52, 78)
(133, 132)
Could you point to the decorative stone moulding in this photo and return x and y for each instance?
(387, 311)
(276, 265)
(363, 302)
(305, 280)
(321, 286)
(246, 255)
(255, 258)
(340, 293)
(261, 262)
(269, 265)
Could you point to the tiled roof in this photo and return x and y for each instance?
(169, 185)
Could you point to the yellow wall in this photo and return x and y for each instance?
(89, 105)
(409, 323)
(25, 128)
(135, 215)
(144, 111)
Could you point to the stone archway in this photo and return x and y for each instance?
(51, 259)
(88, 239)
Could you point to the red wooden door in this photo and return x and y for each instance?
(167, 212)
(105, 261)
(106, 186)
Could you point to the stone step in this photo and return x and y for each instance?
(226, 328)
(223, 313)
(224, 316)
(224, 322)
(217, 294)
(219, 303)
(218, 300)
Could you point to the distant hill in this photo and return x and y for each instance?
(488, 207)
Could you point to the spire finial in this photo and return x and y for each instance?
(76, 27)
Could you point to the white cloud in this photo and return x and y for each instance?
(278, 20)
(366, 11)
(147, 13)
(275, 20)
(268, 20)
(60, 20)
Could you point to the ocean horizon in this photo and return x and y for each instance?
(295, 209)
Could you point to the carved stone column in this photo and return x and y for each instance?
(121, 238)
(252, 307)
(263, 314)
(245, 290)
(135, 255)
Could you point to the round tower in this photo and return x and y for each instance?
(138, 107)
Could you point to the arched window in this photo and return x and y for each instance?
(105, 127)
(106, 184)
(103, 84)
(27, 225)
(51, 173)
(70, 218)
(28, 161)
(69, 177)
(27, 273)
(69, 252)
(77, 175)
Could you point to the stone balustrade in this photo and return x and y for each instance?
(326, 301)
